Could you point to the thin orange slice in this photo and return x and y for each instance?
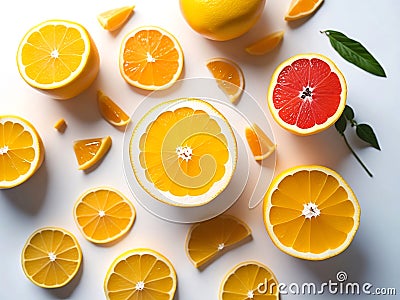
(113, 19)
(60, 125)
(260, 144)
(51, 257)
(89, 152)
(266, 44)
(302, 8)
(150, 58)
(310, 212)
(21, 151)
(207, 240)
(110, 111)
(229, 77)
(140, 274)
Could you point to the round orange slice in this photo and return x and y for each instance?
(110, 111)
(260, 144)
(89, 152)
(302, 8)
(265, 44)
(310, 212)
(114, 19)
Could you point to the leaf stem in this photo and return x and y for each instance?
(356, 156)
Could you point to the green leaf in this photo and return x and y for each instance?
(354, 52)
(348, 113)
(366, 133)
(341, 124)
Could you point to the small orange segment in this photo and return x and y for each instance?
(265, 44)
(110, 111)
(260, 144)
(302, 8)
(89, 152)
(60, 125)
(114, 19)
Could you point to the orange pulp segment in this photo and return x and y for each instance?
(265, 44)
(302, 8)
(110, 111)
(260, 144)
(60, 125)
(113, 19)
(89, 152)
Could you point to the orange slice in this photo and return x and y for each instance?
(229, 77)
(21, 151)
(140, 274)
(150, 58)
(60, 125)
(260, 144)
(110, 111)
(89, 152)
(113, 19)
(307, 94)
(103, 214)
(249, 280)
(302, 8)
(207, 240)
(51, 257)
(266, 44)
(59, 58)
(310, 212)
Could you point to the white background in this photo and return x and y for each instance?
(48, 197)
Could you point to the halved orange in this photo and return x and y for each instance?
(229, 77)
(140, 274)
(59, 58)
(110, 111)
(51, 257)
(113, 19)
(207, 240)
(259, 142)
(89, 152)
(307, 94)
(103, 214)
(21, 151)
(310, 212)
(265, 44)
(302, 8)
(150, 58)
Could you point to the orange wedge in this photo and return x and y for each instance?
(302, 8)
(266, 44)
(60, 125)
(260, 144)
(113, 19)
(89, 152)
(110, 111)
(207, 240)
(229, 77)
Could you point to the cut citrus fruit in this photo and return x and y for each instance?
(187, 152)
(302, 8)
(140, 274)
(310, 212)
(89, 152)
(307, 94)
(21, 151)
(207, 240)
(110, 111)
(51, 257)
(103, 214)
(150, 58)
(60, 125)
(229, 77)
(266, 44)
(249, 280)
(260, 144)
(113, 19)
(59, 58)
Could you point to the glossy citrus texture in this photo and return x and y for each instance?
(307, 94)
(103, 214)
(89, 152)
(114, 19)
(21, 151)
(207, 240)
(259, 142)
(59, 58)
(110, 111)
(60, 125)
(140, 274)
(219, 19)
(249, 280)
(302, 8)
(150, 58)
(51, 257)
(265, 44)
(229, 77)
(310, 212)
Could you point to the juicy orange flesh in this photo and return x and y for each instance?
(307, 93)
(253, 141)
(302, 7)
(225, 71)
(16, 151)
(146, 268)
(53, 53)
(150, 58)
(111, 111)
(317, 234)
(184, 127)
(37, 262)
(117, 214)
(85, 150)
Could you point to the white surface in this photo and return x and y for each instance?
(48, 197)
